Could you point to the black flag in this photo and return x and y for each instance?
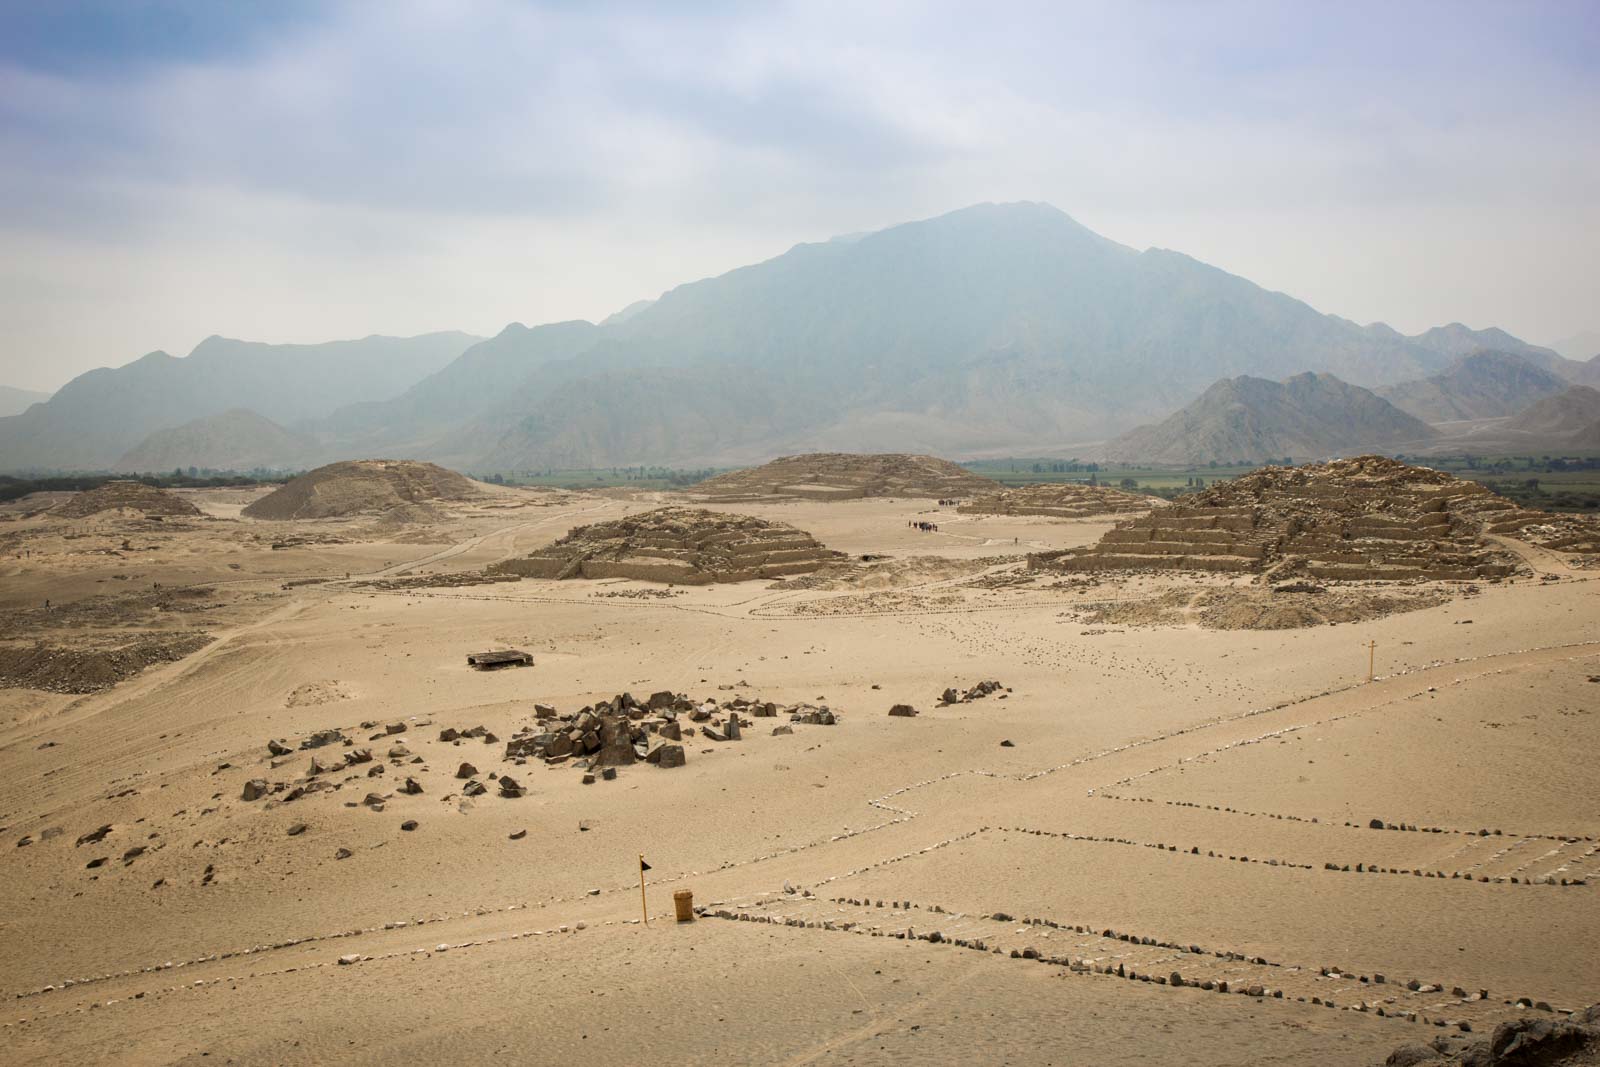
(643, 866)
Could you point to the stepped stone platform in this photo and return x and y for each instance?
(126, 496)
(1367, 518)
(684, 546)
(1061, 500)
(846, 476)
(365, 486)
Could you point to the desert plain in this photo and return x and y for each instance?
(1158, 841)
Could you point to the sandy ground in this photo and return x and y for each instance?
(1178, 787)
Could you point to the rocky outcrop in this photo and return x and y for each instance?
(847, 476)
(1532, 1041)
(685, 546)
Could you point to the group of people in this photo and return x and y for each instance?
(925, 527)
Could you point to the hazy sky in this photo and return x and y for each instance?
(301, 172)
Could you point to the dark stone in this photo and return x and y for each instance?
(254, 789)
(466, 770)
(409, 824)
(902, 711)
(1411, 1054)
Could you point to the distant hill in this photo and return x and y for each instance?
(1565, 413)
(98, 416)
(365, 486)
(1256, 420)
(1581, 346)
(1586, 439)
(1456, 340)
(236, 440)
(1479, 386)
(16, 401)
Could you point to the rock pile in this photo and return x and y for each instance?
(365, 486)
(624, 730)
(147, 500)
(687, 546)
(1547, 1041)
(977, 692)
(69, 669)
(846, 476)
(1061, 500)
(1368, 518)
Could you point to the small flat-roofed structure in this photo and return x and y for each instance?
(508, 657)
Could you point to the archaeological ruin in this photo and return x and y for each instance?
(846, 476)
(1366, 518)
(684, 546)
(1062, 501)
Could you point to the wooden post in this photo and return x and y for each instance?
(1372, 657)
(644, 909)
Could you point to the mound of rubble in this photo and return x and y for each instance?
(623, 731)
(1552, 1040)
(366, 486)
(87, 669)
(977, 692)
(1367, 518)
(1061, 500)
(147, 500)
(846, 476)
(686, 546)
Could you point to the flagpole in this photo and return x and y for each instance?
(643, 909)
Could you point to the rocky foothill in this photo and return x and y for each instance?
(846, 476)
(1061, 500)
(126, 496)
(685, 546)
(1367, 518)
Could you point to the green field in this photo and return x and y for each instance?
(1550, 483)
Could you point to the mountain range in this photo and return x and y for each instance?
(996, 329)
(1482, 385)
(16, 401)
(97, 417)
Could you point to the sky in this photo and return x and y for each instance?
(287, 171)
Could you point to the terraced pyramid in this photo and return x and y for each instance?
(1061, 500)
(684, 546)
(1367, 518)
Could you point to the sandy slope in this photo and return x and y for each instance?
(1116, 732)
